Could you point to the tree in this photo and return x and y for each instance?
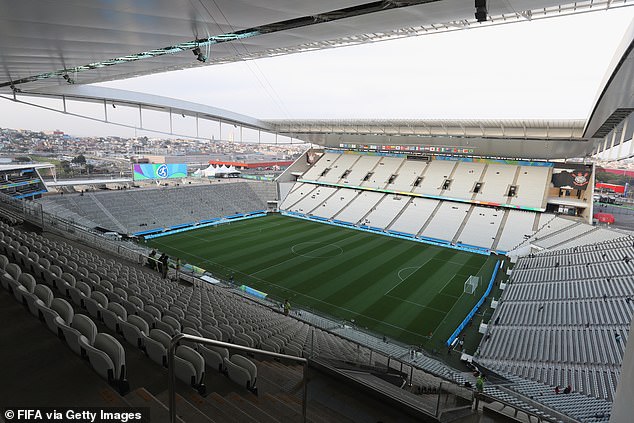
(79, 160)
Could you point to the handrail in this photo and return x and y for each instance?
(182, 336)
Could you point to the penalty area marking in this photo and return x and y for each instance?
(337, 249)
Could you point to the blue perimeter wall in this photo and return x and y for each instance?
(473, 311)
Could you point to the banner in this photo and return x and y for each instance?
(577, 178)
(158, 171)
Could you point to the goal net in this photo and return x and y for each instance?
(471, 284)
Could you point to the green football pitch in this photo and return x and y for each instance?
(406, 290)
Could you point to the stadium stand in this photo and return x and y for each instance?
(131, 211)
(414, 216)
(564, 317)
(481, 227)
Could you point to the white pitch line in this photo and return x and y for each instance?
(403, 280)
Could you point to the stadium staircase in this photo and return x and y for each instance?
(399, 214)
(430, 218)
(494, 246)
(463, 224)
(358, 194)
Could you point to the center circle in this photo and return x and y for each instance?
(312, 249)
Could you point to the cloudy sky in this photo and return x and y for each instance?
(549, 69)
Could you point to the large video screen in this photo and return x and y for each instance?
(158, 171)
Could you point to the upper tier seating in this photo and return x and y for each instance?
(436, 178)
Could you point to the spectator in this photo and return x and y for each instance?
(163, 260)
(287, 307)
(480, 383)
(568, 389)
(152, 259)
(617, 337)
(557, 389)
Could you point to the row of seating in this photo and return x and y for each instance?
(562, 312)
(137, 210)
(430, 177)
(103, 351)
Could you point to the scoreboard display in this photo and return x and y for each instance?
(143, 172)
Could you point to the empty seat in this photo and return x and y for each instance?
(135, 330)
(242, 371)
(107, 358)
(214, 356)
(10, 277)
(42, 294)
(82, 332)
(65, 283)
(60, 313)
(189, 366)
(113, 315)
(96, 303)
(25, 287)
(79, 293)
(156, 346)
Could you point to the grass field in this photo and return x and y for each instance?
(409, 291)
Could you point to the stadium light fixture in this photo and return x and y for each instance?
(481, 13)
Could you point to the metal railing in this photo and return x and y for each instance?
(205, 341)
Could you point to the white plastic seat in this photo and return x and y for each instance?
(60, 313)
(96, 303)
(107, 358)
(10, 277)
(135, 330)
(113, 315)
(79, 293)
(156, 346)
(51, 275)
(247, 364)
(214, 356)
(42, 294)
(26, 286)
(65, 283)
(189, 366)
(238, 374)
(82, 332)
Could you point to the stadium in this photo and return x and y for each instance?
(397, 270)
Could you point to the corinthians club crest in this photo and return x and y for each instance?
(580, 179)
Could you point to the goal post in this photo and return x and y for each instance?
(471, 284)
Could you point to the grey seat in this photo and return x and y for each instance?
(81, 333)
(214, 356)
(96, 303)
(113, 315)
(156, 346)
(60, 313)
(189, 366)
(10, 278)
(79, 293)
(42, 294)
(64, 283)
(239, 373)
(26, 286)
(107, 357)
(135, 330)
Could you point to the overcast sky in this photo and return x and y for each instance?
(550, 69)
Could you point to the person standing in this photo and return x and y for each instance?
(164, 260)
(152, 259)
(287, 307)
(480, 383)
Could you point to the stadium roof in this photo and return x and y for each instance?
(54, 47)
(96, 41)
